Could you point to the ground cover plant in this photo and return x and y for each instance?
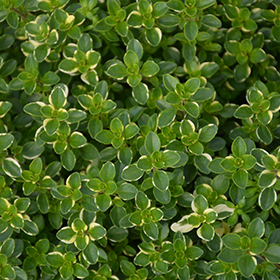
(139, 139)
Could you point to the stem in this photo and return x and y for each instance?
(262, 257)
(19, 13)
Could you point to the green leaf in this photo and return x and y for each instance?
(8, 247)
(272, 254)
(116, 127)
(135, 218)
(12, 19)
(135, 46)
(51, 126)
(211, 21)
(168, 20)
(267, 179)
(202, 161)
(7, 272)
(203, 94)
(257, 245)
(130, 130)
(6, 41)
(141, 259)
(267, 198)
(232, 241)
(207, 133)
(57, 98)
(170, 158)
(127, 191)
(31, 150)
(5, 106)
(130, 59)
(264, 134)
(30, 227)
(152, 142)
(50, 78)
(107, 172)
(17, 221)
(249, 162)
(75, 116)
(66, 272)
(160, 180)
(175, 5)
(239, 147)
(140, 93)
(85, 43)
(41, 52)
(22, 204)
(203, 4)
(67, 235)
(256, 228)
(90, 77)
(135, 19)
(90, 253)
(240, 178)
(145, 163)
(243, 112)
(153, 36)
(163, 197)
(242, 72)
(206, 232)
(168, 256)
(32, 28)
(80, 271)
(142, 201)
(127, 268)
(132, 173)
(269, 162)
(194, 253)
(6, 140)
(11, 167)
(78, 225)
(104, 137)
(166, 117)
(134, 80)
(199, 204)
(3, 86)
(125, 156)
(184, 273)
(170, 82)
(191, 30)
(149, 68)
(94, 126)
(103, 202)
(96, 231)
(230, 256)
(77, 140)
(15, 84)
(247, 265)
(68, 66)
(43, 245)
(192, 109)
(68, 159)
(228, 164)
(66, 205)
(257, 55)
(215, 166)
(151, 230)
(29, 264)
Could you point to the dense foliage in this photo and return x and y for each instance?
(139, 139)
